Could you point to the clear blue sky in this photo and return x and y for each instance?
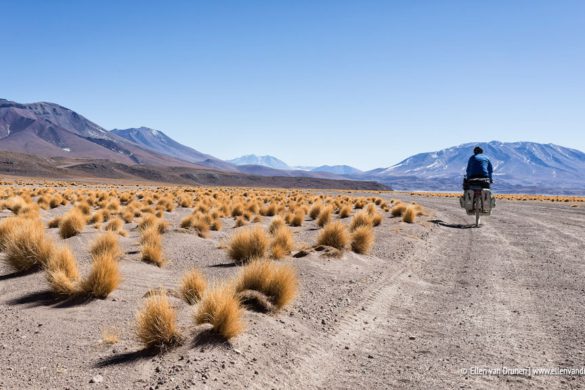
(360, 82)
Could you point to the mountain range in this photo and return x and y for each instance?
(66, 143)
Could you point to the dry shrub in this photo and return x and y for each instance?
(409, 215)
(192, 287)
(398, 209)
(153, 254)
(72, 224)
(376, 219)
(297, 218)
(84, 207)
(362, 239)
(282, 242)
(345, 212)
(277, 281)
(215, 225)
(276, 223)
(104, 276)
(62, 273)
(149, 220)
(110, 336)
(360, 219)
(335, 235)
(7, 227)
(156, 323)
(241, 221)
(115, 225)
(315, 211)
(248, 244)
(106, 243)
(54, 223)
(220, 308)
(324, 217)
(26, 245)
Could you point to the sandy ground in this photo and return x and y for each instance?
(429, 301)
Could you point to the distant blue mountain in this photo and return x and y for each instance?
(338, 169)
(265, 161)
(518, 166)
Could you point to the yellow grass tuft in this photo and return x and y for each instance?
(156, 323)
(282, 242)
(345, 212)
(54, 223)
(315, 211)
(362, 239)
(192, 286)
(7, 227)
(360, 219)
(220, 308)
(104, 276)
(324, 217)
(334, 234)
(248, 244)
(72, 223)
(277, 281)
(26, 245)
(398, 209)
(410, 214)
(106, 243)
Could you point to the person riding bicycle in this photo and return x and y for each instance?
(479, 169)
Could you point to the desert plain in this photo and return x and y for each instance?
(426, 306)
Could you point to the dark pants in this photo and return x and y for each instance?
(476, 182)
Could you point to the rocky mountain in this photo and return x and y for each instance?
(265, 161)
(50, 130)
(158, 142)
(344, 170)
(518, 167)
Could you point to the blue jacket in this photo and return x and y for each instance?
(479, 166)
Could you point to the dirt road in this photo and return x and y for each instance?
(431, 300)
(510, 294)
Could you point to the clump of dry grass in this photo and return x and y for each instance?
(72, 223)
(297, 218)
(335, 235)
(114, 225)
(362, 239)
(360, 219)
(345, 212)
(104, 276)
(398, 209)
(110, 336)
(282, 242)
(276, 223)
(324, 217)
(156, 323)
(278, 282)
(54, 223)
(192, 287)
(149, 220)
(106, 243)
(248, 244)
(220, 308)
(62, 273)
(151, 251)
(409, 215)
(315, 211)
(7, 227)
(26, 245)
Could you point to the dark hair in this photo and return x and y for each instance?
(477, 150)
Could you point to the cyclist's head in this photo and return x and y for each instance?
(477, 150)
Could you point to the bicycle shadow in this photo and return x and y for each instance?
(454, 225)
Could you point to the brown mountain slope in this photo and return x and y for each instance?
(18, 164)
(50, 130)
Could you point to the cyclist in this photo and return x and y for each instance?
(479, 168)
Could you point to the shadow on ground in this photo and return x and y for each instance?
(453, 225)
